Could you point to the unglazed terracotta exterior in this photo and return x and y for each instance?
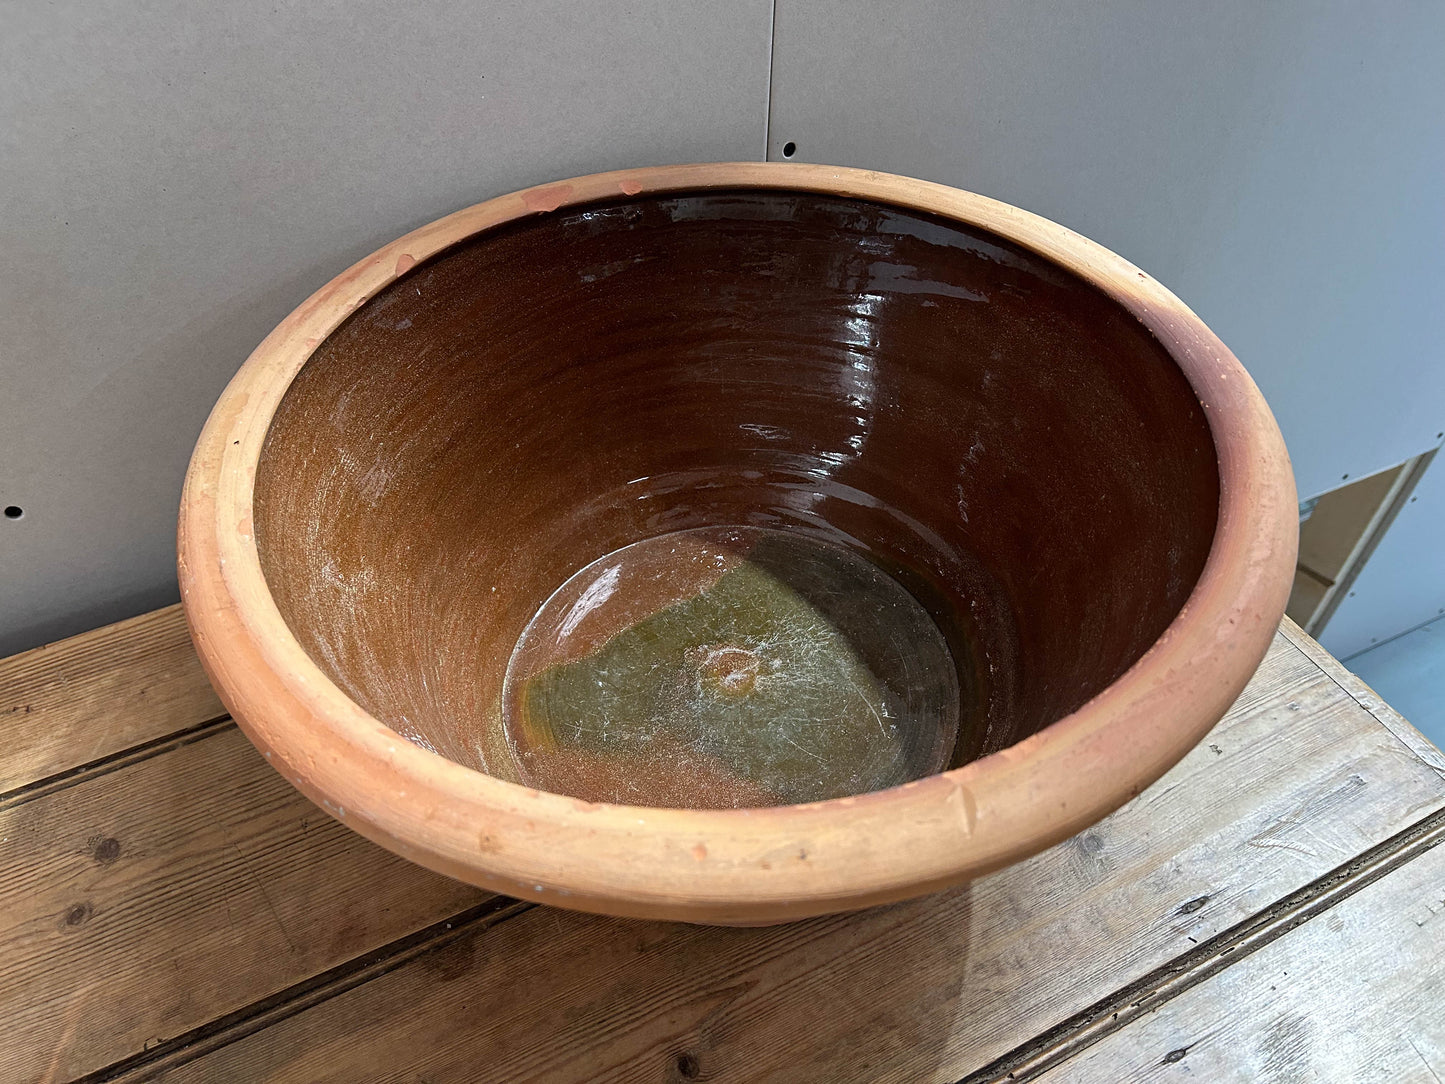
(1055, 456)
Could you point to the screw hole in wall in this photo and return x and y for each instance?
(14, 511)
(789, 149)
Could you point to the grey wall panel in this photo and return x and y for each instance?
(175, 177)
(1280, 166)
(1403, 583)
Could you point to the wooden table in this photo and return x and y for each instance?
(171, 909)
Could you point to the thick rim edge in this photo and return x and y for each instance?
(740, 866)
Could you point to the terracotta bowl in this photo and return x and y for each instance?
(1064, 467)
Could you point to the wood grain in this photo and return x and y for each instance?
(1365, 696)
(93, 695)
(1296, 780)
(142, 903)
(1352, 995)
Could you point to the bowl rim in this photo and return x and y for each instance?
(752, 865)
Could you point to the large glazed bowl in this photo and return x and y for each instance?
(1056, 459)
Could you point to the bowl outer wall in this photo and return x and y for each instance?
(738, 866)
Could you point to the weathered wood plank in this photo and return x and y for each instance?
(1353, 994)
(152, 899)
(81, 699)
(1296, 780)
(1365, 696)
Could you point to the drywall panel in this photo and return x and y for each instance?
(175, 177)
(1279, 166)
(1403, 583)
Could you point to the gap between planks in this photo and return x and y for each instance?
(1079, 1032)
(1146, 994)
(85, 699)
(1026, 1062)
(83, 773)
(303, 995)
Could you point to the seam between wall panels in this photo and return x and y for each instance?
(768, 108)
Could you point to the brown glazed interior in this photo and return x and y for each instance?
(1008, 441)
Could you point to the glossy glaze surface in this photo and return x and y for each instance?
(1010, 443)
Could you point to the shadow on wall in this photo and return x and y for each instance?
(81, 620)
